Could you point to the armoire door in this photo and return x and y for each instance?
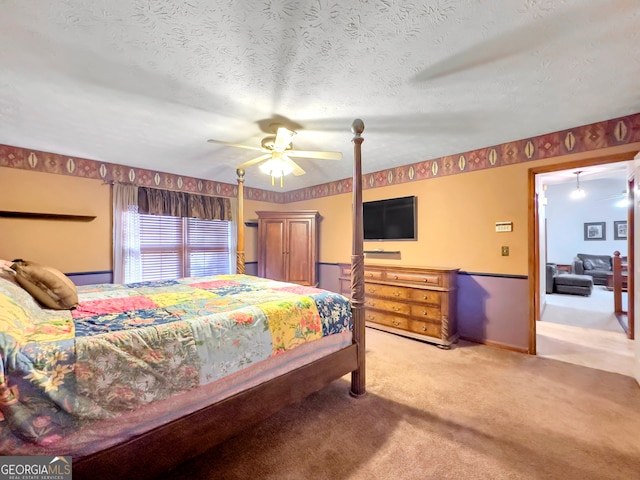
(300, 258)
(273, 259)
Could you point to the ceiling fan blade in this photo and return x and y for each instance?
(239, 145)
(320, 155)
(259, 159)
(297, 170)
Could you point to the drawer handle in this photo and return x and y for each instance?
(425, 297)
(395, 309)
(424, 328)
(396, 294)
(371, 275)
(424, 312)
(396, 323)
(395, 277)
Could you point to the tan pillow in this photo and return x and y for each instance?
(49, 286)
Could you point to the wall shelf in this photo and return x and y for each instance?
(46, 216)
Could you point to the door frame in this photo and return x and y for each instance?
(631, 198)
(534, 233)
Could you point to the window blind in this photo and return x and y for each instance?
(175, 247)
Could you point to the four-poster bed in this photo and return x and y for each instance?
(219, 409)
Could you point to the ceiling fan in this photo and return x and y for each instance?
(277, 152)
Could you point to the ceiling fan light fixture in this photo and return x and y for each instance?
(276, 168)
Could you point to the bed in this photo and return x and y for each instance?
(141, 377)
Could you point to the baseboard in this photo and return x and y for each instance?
(489, 343)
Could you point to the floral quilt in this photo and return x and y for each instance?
(129, 345)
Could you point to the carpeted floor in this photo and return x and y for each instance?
(594, 311)
(585, 331)
(473, 412)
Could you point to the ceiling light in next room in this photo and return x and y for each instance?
(578, 192)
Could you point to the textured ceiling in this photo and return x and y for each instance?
(146, 82)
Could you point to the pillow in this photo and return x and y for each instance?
(588, 265)
(6, 272)
(49, 286)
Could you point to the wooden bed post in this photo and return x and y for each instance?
(240, 232)
(357, 264)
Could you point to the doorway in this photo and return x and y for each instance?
(560, 336)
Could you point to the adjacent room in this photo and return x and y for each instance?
(329, 240)
(584, 321)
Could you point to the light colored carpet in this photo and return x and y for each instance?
(594, 311)
(584, 331)
(580, 317)
(602, 349)
(473, 412)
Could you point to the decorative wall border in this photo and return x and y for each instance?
(608, 133)
(595, 136)
(35, 160)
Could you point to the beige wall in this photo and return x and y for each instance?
(456, 218)
(70, 246)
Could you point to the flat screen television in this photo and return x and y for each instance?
(390, 219)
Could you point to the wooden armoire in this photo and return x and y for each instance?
(288, 246)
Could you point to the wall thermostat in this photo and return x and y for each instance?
(504, 226)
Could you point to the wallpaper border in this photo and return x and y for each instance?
(595, 136)
(46, 162)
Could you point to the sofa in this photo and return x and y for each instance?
(596, 266)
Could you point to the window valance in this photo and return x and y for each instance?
(153, 201)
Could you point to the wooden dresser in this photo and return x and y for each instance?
(411, 301)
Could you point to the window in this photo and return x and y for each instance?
(175, 247)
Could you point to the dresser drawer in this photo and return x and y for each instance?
(424, 296)
(345, 270)
(426, 312)
(389, 291)
(386, 319)
(425, 328)
(431, 279)
(373, 274)
(387, 305)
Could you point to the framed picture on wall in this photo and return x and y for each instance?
(620, 230)
(595, 231)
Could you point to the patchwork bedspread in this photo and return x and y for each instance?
(126, 346)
